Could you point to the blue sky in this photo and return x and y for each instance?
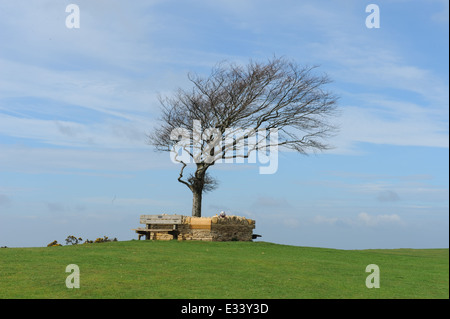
(76, 104)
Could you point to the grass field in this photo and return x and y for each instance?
(157, 269)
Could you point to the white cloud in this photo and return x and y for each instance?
(396, 126)
(103, 78)
(269, 201)
(325, 220)
(291, 222)
(4, 200)
(408, 103)
(100, 83)
(388, 196)
(441, 16)
(62, 160)
(114, 95)
(119, 201)
(102, 135)
(369, 220)
(361, 220)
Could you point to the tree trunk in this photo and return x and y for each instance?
(197, 203)
(197, 184)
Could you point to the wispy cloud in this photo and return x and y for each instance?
(60, 160)
(57, 64)
(388, 196)
(124, 201)
(442, 15)
(81, 101)
(325, 220)
(370, 220)
(361, 220)
(56, 207)
(4, 200)
(382, 190)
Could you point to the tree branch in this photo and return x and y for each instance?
(181, 176)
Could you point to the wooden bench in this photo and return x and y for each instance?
(163, 223)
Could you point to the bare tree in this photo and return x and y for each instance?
(278, 96)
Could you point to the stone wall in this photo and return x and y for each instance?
(229, 228)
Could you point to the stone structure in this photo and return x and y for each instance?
(178, 227)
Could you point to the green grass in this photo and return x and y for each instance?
(157, 269)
